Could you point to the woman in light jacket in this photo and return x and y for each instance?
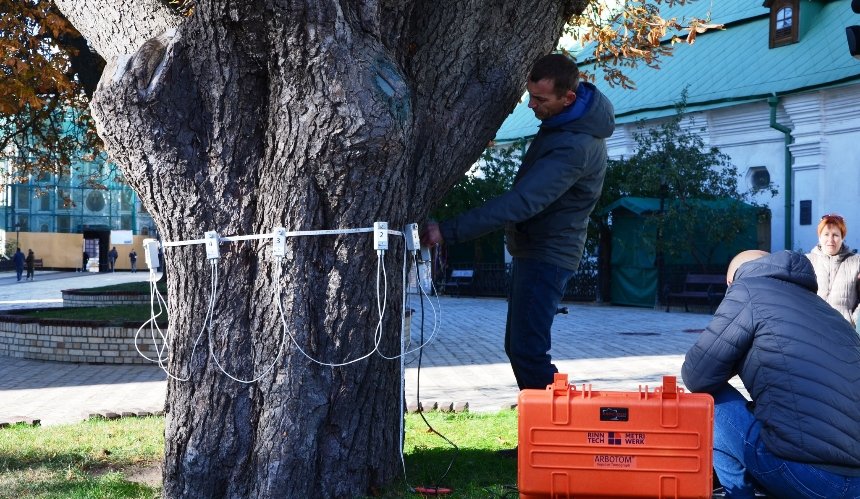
(837, 268)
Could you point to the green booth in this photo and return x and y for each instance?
(703, 239)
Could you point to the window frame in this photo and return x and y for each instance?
(776, 38)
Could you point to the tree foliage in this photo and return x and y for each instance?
(492, 176)
(620, 35)
(47, 74)
(672, 162)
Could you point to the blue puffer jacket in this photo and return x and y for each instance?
(545, 214)
(798, 358)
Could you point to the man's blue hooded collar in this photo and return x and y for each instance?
(577, 110)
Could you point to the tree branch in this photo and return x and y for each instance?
(132, 23)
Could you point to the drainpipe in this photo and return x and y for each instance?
(133, 211)
(773, 100)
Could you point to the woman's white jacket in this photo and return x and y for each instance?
(838, 281)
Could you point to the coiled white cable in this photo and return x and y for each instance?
(380, 269)
(436, 316)
(162, 353)
(215, 358)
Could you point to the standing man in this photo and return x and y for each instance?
(545, 214)
(18, 259)
(112, 256)
(799, 360)
(133, 258)
(31, 264)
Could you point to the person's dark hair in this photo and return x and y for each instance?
(562, 70)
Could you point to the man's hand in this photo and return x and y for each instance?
(430, 235)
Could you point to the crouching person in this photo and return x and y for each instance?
(799, 359)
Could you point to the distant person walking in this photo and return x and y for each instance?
(112, 256)
(133, 258)
(31, 263)
(18, 260)
(86, 261)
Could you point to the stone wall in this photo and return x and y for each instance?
(74, 341)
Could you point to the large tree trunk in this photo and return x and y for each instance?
(255, 114)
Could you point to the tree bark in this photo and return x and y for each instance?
(308, 115)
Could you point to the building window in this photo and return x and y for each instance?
(126, 200)
(758, 178)
(22, 194)
(806, 212)
(95, 201)
(64, 224)
(44, 202)
(64, 202)
(23, 224)
(783, 22)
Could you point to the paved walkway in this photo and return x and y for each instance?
(613, 348)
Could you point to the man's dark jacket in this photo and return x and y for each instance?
(798, 358)
(545, 214)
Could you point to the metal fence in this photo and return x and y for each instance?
(493, 279)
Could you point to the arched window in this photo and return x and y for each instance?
(783, 22)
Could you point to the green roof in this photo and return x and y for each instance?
(729, 66)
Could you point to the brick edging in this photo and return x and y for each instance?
(84, 298)
(66, 340)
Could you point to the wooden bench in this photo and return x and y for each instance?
(710, 288)
(37, 263)
(459, 279)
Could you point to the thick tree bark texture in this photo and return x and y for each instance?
(307, 115)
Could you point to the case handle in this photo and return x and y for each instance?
(560, 400)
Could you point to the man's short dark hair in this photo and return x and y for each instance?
(561, 69)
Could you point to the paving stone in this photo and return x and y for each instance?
(611, 348)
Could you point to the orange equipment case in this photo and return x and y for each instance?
(588, 444)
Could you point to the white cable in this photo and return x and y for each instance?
(292, 233)
(377, 337)
(401, 400)
(152, 321)
(437, 318)
(268, 369)
(382, 303)
(161, 356)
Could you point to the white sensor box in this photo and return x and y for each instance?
(380, 236)
(279, 243)
(150, 253)
(410, 233)
(213, 252)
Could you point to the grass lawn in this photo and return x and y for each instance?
(101, 459)
(85, 460)
(115, 314)
(141, 287)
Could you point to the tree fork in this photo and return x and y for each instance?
(308, 115)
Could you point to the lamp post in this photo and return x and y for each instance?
(17, 234)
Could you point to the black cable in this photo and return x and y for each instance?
(418, 387)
